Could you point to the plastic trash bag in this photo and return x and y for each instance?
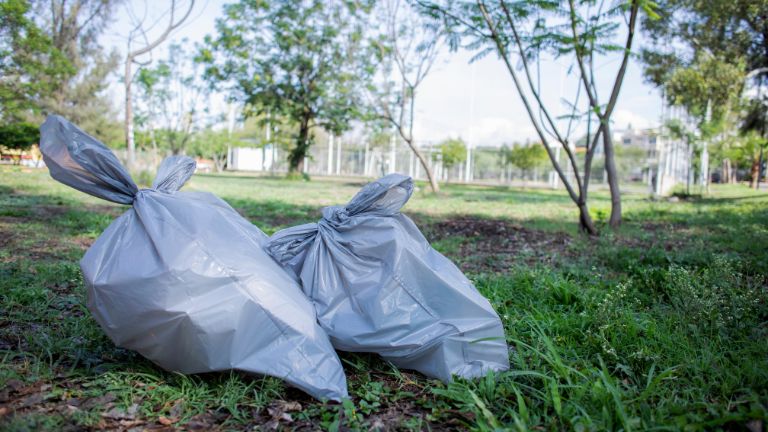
(184, 280)
(378, 286)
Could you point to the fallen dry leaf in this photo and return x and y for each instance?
(165, 421)
(15, 384)
(32, 400)
(117, 414)
(291, 406)
(177, 409)
(101, 400)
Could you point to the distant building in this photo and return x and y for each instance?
(645, 139)
(250, 158)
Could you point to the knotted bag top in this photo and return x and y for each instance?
(79, 160)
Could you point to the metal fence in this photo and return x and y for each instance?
(348, 158)
(486, 165)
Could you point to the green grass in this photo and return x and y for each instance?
(661, 325)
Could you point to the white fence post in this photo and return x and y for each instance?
(392, 155)
(338, 157)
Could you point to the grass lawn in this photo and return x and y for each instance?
(661, 325)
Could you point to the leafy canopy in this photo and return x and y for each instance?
(452, 151)
(527, 157)
(710, 86)
(305, 61)
(29, 61)
(19, 136)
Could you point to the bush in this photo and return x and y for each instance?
(19, 136)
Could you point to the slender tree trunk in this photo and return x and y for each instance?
(755, 171)
(689, 155)
(152, 137)
(613, 181)
(586, 224)
(218, 162)
(424, 164)
(130, 144)
(411, 143)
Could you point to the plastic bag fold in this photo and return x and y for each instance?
(378, 286)
(184, 280)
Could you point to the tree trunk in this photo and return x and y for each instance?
(423, 161)
(585, 220)
(218, 162)
(131, 146)
(613, 180)
(755, 172)
(298, 153)
(155, 162)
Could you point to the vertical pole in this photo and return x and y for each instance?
(392, 155)
(471, 142)
(705, 168)
(759, 168)
(338, 156)
(366, 164)
(274, 155)
(268, 137)
(274, 166)
(330, 154)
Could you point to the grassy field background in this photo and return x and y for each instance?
(660, 325)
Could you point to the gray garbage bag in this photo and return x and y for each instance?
(378, 286)
(184, 280)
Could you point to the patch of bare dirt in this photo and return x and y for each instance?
(494, 245)
(21, 242)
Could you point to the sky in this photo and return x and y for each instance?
(477, 101)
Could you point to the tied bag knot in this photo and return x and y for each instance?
(173, 173)
(334, 216)
(383, 197)
(80, 161)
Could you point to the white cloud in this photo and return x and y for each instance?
(622, 118)
(487, 131)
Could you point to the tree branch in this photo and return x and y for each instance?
(505, 56)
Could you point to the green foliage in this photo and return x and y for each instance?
(742, 149)
(302, 61)
(710, 86)
(527, 157)
(19, 136)
(29, 61)
(702, 54)
(684, 30)
(452, 151)
(214, 144)
(76, 28)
